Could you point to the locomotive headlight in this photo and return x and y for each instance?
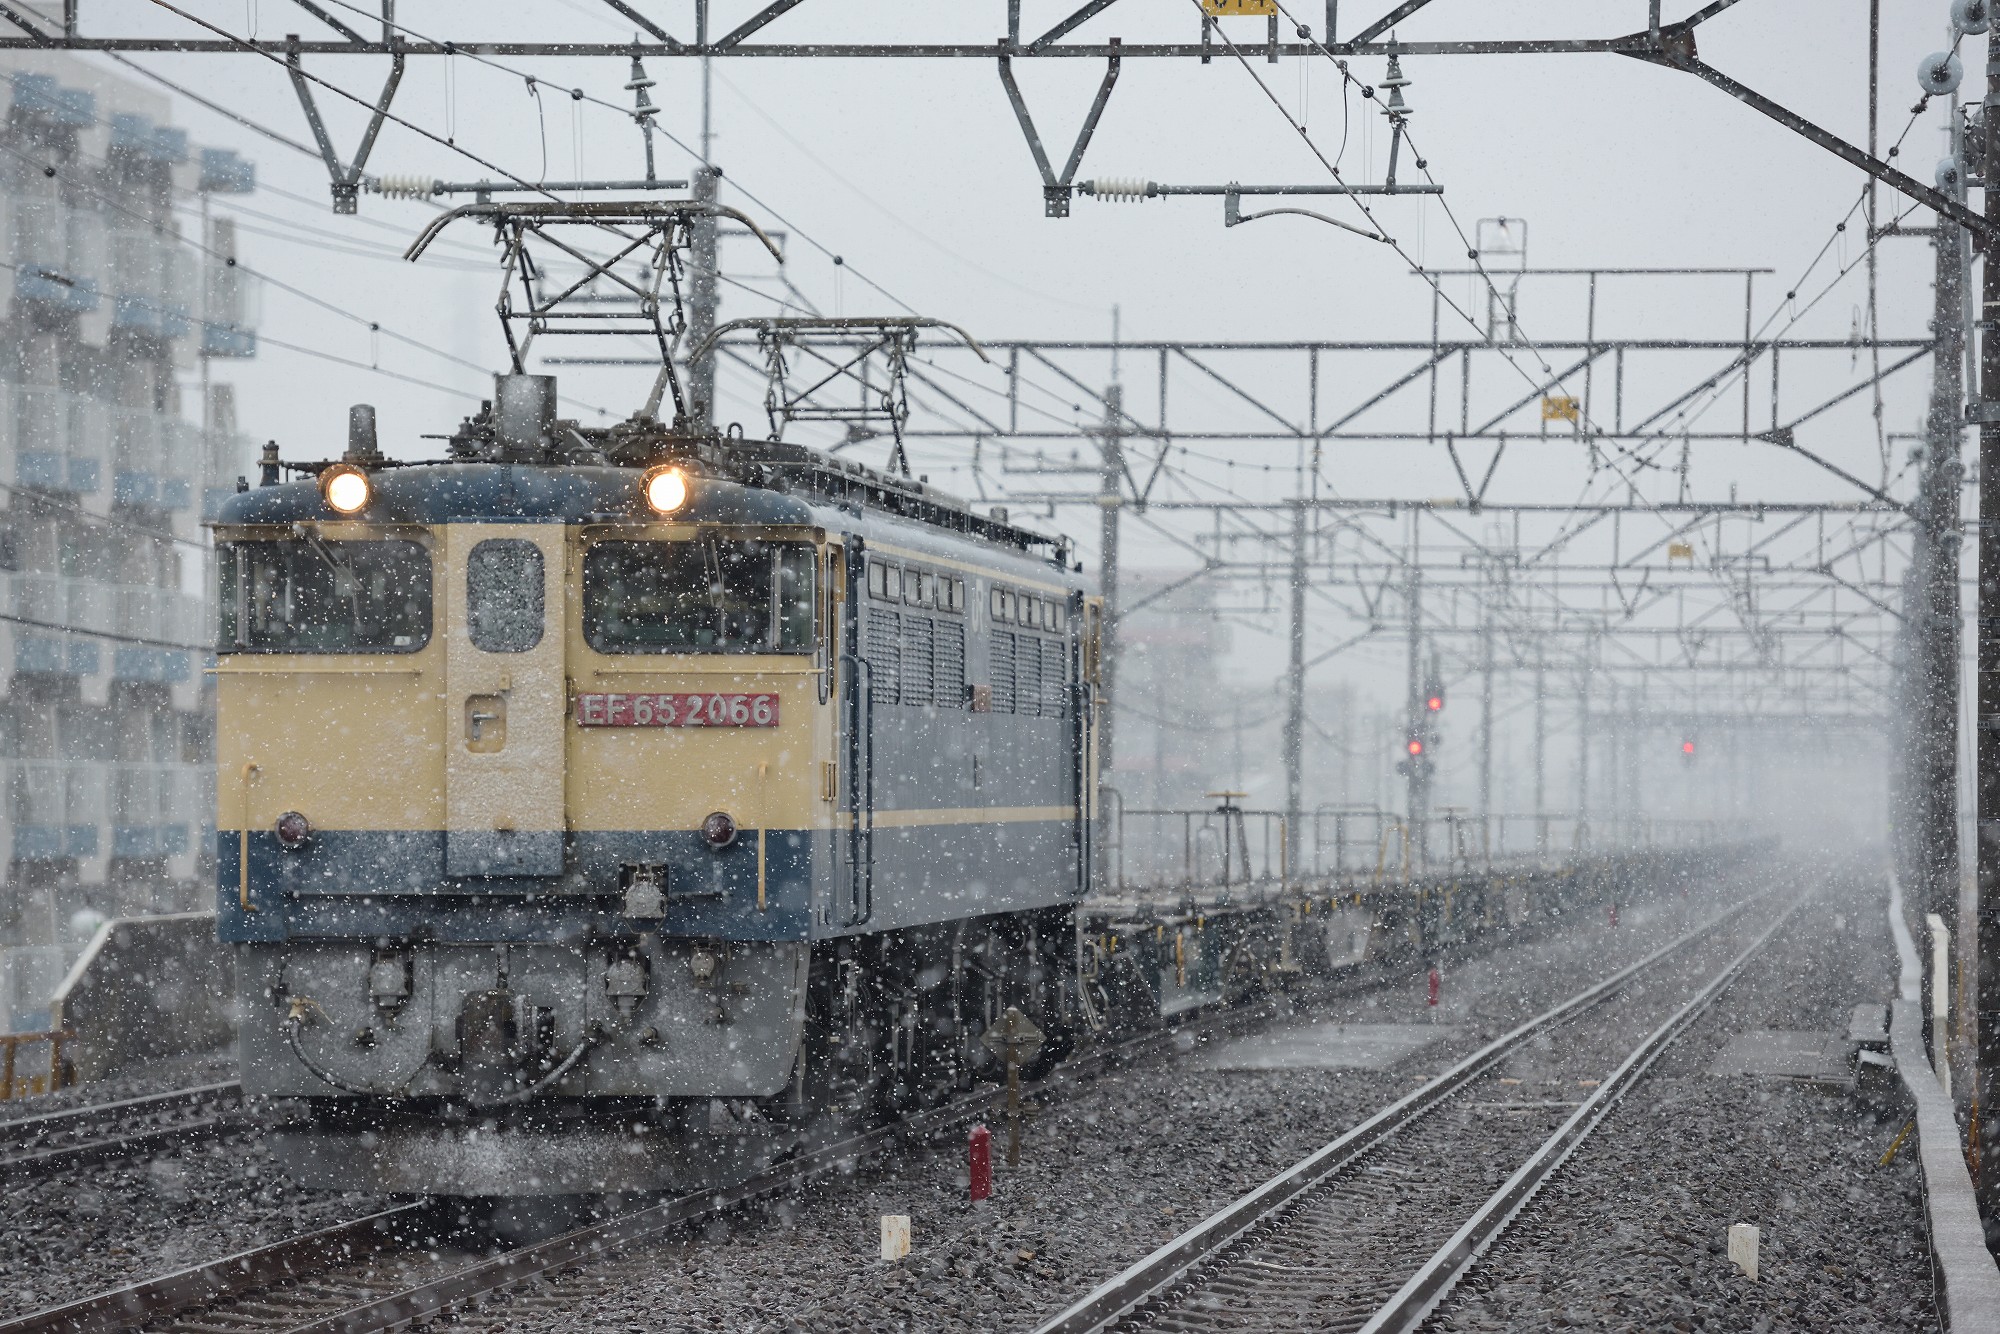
(346, 488)
(719, 830)
(665, 489)
(294, 831)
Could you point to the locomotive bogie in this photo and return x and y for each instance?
(662, 1018)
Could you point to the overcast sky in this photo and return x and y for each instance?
(916, 174)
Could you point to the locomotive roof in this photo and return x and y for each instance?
(513, 493)
(570, 493)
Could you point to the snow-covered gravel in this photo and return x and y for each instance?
(1116, 1169)
(72, 1233)
(154, 1077)
(1631, 1235)
(1111, 1171)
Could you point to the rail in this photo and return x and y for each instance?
(1404, 1312)
(299, 1258)
(365, 1306)
(113, 1129)
(1172, 1266)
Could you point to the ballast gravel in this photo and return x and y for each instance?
(1632, 1234)
(81, 1230)
(162, 1076)
(72, 1231)
(1117, 1167)
(1113, 1171)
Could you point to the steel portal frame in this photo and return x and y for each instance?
(1671, 45)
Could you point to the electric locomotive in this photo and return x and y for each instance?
(611, 809)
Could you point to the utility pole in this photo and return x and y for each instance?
(1987, 736)
(1416, 763)
(1110, 499)
(1295, 696)
(1486, 725)
(1583, 746)
(704, 299)
(1930, 725)
(1614, 760)
(1541, 749)
(704, 264)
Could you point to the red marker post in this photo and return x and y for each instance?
(1435, 985)
(980, 1148)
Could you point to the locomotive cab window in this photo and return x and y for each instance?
(708, 595)
(316, 596)
(504, 595)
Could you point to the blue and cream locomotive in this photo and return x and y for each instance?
(606, 809)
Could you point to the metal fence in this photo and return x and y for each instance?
(1226, 845)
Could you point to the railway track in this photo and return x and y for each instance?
(1368, 1233)
(111, 1129)
(391, 1267)
(387, 1269)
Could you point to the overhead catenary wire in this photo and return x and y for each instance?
(83, 186)
(338, 91)
(141, 641)
(1550, 378)
(358, 250)
(216, 107)
(1641, 460)
(374, 326)
(319, 353)
(624, 113)
(1382, 233)
(449, 143)
(265, 187)
(46, 500)
(1741, 366)
(691, 155)
(1422, 164)
(874, 202)
(578, 96)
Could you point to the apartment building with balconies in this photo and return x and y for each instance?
(117, 293)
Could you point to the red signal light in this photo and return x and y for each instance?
(1687, 747)
(1434, 703)
(1416, 746)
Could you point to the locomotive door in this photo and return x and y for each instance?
(504, 699)
(854, 879)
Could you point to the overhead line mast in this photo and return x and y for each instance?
(1986, 1124)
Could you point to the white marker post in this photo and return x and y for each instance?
(895, 1236)
(1742, 1247)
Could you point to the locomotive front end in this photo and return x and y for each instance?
(526, 785)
